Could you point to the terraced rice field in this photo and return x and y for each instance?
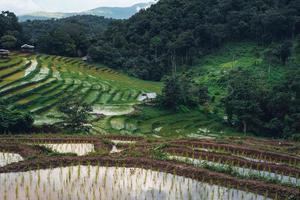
(8, 158)
(39, 83)
(125, 167)
(95, 182)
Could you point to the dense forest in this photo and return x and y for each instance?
(67, 37)
(173, 33)
(11, 30)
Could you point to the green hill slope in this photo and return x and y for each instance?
(40, 83)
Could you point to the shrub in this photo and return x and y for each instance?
(14, 121)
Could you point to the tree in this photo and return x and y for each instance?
(155, 43)
(282, 106)
(277, 54)
(9, 24)
(14, 121)
(253, 105)
(61, 43)
(76, 115)
(284, 51)
(8, 41)
(180, 90)
(298, 44)
(270, 57)
(243, 100)
(71, 36)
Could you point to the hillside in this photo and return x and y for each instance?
(115, 94)
(107, 12)
(211, 71)
(189, 99)
(174, 33)
(40, 83)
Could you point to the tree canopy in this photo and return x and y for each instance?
(173, 33)
(255, 106)
(70, 36)
(10, 31)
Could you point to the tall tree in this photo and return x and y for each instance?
(8, 41)
(242, 104)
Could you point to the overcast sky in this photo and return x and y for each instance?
(27, 6)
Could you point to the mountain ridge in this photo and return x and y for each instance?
(107, 12)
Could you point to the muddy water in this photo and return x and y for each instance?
(8, 158)
(80, 149)
(107, 183)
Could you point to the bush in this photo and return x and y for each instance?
(76, 115)
(13, 121)
(295, 137)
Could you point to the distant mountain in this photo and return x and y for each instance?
(107, 12)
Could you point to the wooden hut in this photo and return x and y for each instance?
(27, 48)
(147, 97)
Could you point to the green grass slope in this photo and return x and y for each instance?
(39, 83)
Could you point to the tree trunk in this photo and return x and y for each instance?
(173, 61)
(244, 127)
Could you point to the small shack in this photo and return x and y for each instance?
(147, 97)
(4, 53)
(27, 48)
(85, 58)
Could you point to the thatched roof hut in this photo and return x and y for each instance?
(27, 48)
(147, 97)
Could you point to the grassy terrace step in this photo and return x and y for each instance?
(27, 97)
(55, 79)
(92, 96)
(50, 103)
(31, 90)
(23, 84)
(14, 70)
(10, 63)
(5, 60)
(44, 98)
(25, 78)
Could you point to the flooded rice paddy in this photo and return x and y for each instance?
(8, 158)
(80, 149)
(107, 183)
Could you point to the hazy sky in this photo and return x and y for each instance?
(26, 6)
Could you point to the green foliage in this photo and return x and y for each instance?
(158, 153)
(243, 99)
(279, 53)
(252, 104)
(298, 45)
(180, 90)
(14, 121)
(10, 31)
(8, 41)
(76, 115)
(175, 33)
(70, 36)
